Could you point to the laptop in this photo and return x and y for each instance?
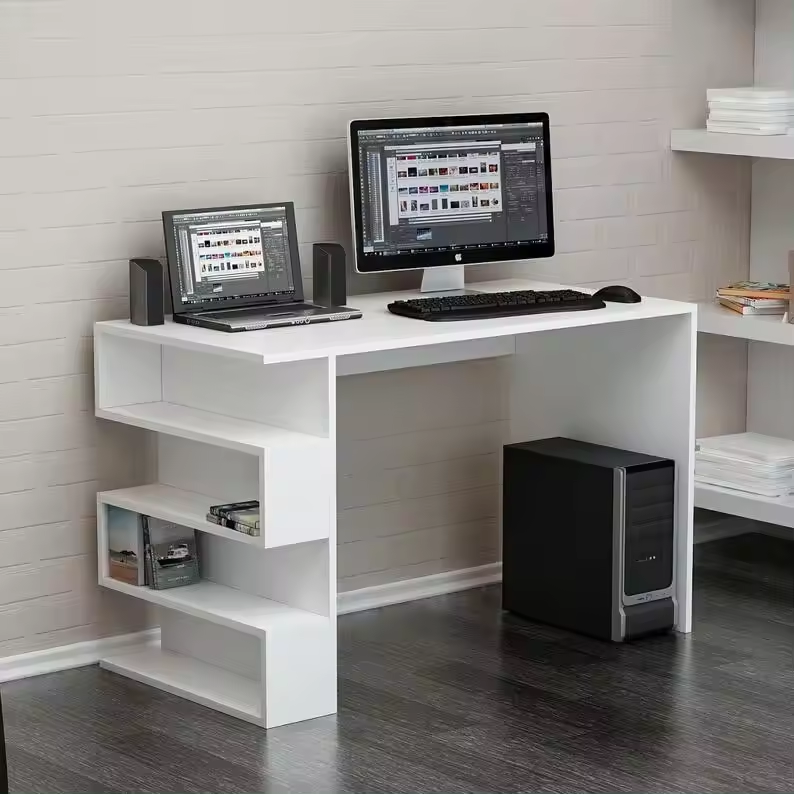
(237, 269)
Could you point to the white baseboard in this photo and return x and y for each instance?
(66, 657)
(414, 589)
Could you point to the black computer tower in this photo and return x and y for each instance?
(588, 535)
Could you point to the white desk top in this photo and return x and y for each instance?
(379, 330)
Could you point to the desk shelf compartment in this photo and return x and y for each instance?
(239, 674)
(242, 587)
(254, 638)
(227, 430)
(190, 678)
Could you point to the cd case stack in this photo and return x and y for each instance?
(751, 111)
(239, 516)
(749, 462)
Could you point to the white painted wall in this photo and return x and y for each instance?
(111, 112)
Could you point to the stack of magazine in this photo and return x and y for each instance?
(170, 554)
(148, 551)
(239, 516)
(752, 298)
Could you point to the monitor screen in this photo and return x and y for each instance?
(241, 254)
(450, 190)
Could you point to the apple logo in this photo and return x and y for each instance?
(458, 257)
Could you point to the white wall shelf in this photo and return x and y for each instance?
(777, 147)
(191, 679)
(223, 605)
(769, 385)
(185, 508)
(757, 508)
(715, 319)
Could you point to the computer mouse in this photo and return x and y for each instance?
(618, 294)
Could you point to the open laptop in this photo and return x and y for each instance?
(237, 269)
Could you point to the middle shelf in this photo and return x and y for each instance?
(737, 503)
(715, 319)
(185, 508)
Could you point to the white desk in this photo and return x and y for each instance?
(238, 414)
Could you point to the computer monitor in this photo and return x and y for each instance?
(449, 191)
(248, 254)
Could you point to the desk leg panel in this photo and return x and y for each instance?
(629, 385)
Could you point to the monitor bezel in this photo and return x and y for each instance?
(365, 263)
(180, 306)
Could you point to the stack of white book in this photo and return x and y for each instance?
(749, 462)
(751, 111)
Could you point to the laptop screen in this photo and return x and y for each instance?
(232, 256)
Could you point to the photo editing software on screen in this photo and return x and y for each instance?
(233, 253)
(452, 187)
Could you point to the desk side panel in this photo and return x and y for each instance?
(629, 385)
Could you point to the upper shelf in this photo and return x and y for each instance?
(208, 427)
(714, 319)
(778, 147)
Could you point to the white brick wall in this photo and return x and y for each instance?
(113, 111)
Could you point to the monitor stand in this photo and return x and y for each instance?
(438, 281)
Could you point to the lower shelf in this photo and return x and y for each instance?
(736, 503)
(225, 606)
(191, 679)
(714, 319)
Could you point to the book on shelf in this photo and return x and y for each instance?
(125, 546)
(758, 309)
(754, 302)
(235, 525)
(240, 516)
(791, 270)
(755, 289)
(171, 554)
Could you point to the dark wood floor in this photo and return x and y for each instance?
(450, 695)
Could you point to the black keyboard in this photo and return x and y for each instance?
(483, 305)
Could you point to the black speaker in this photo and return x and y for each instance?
(146, 292)
(329, 275)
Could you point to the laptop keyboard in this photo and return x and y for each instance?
(257, 312)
